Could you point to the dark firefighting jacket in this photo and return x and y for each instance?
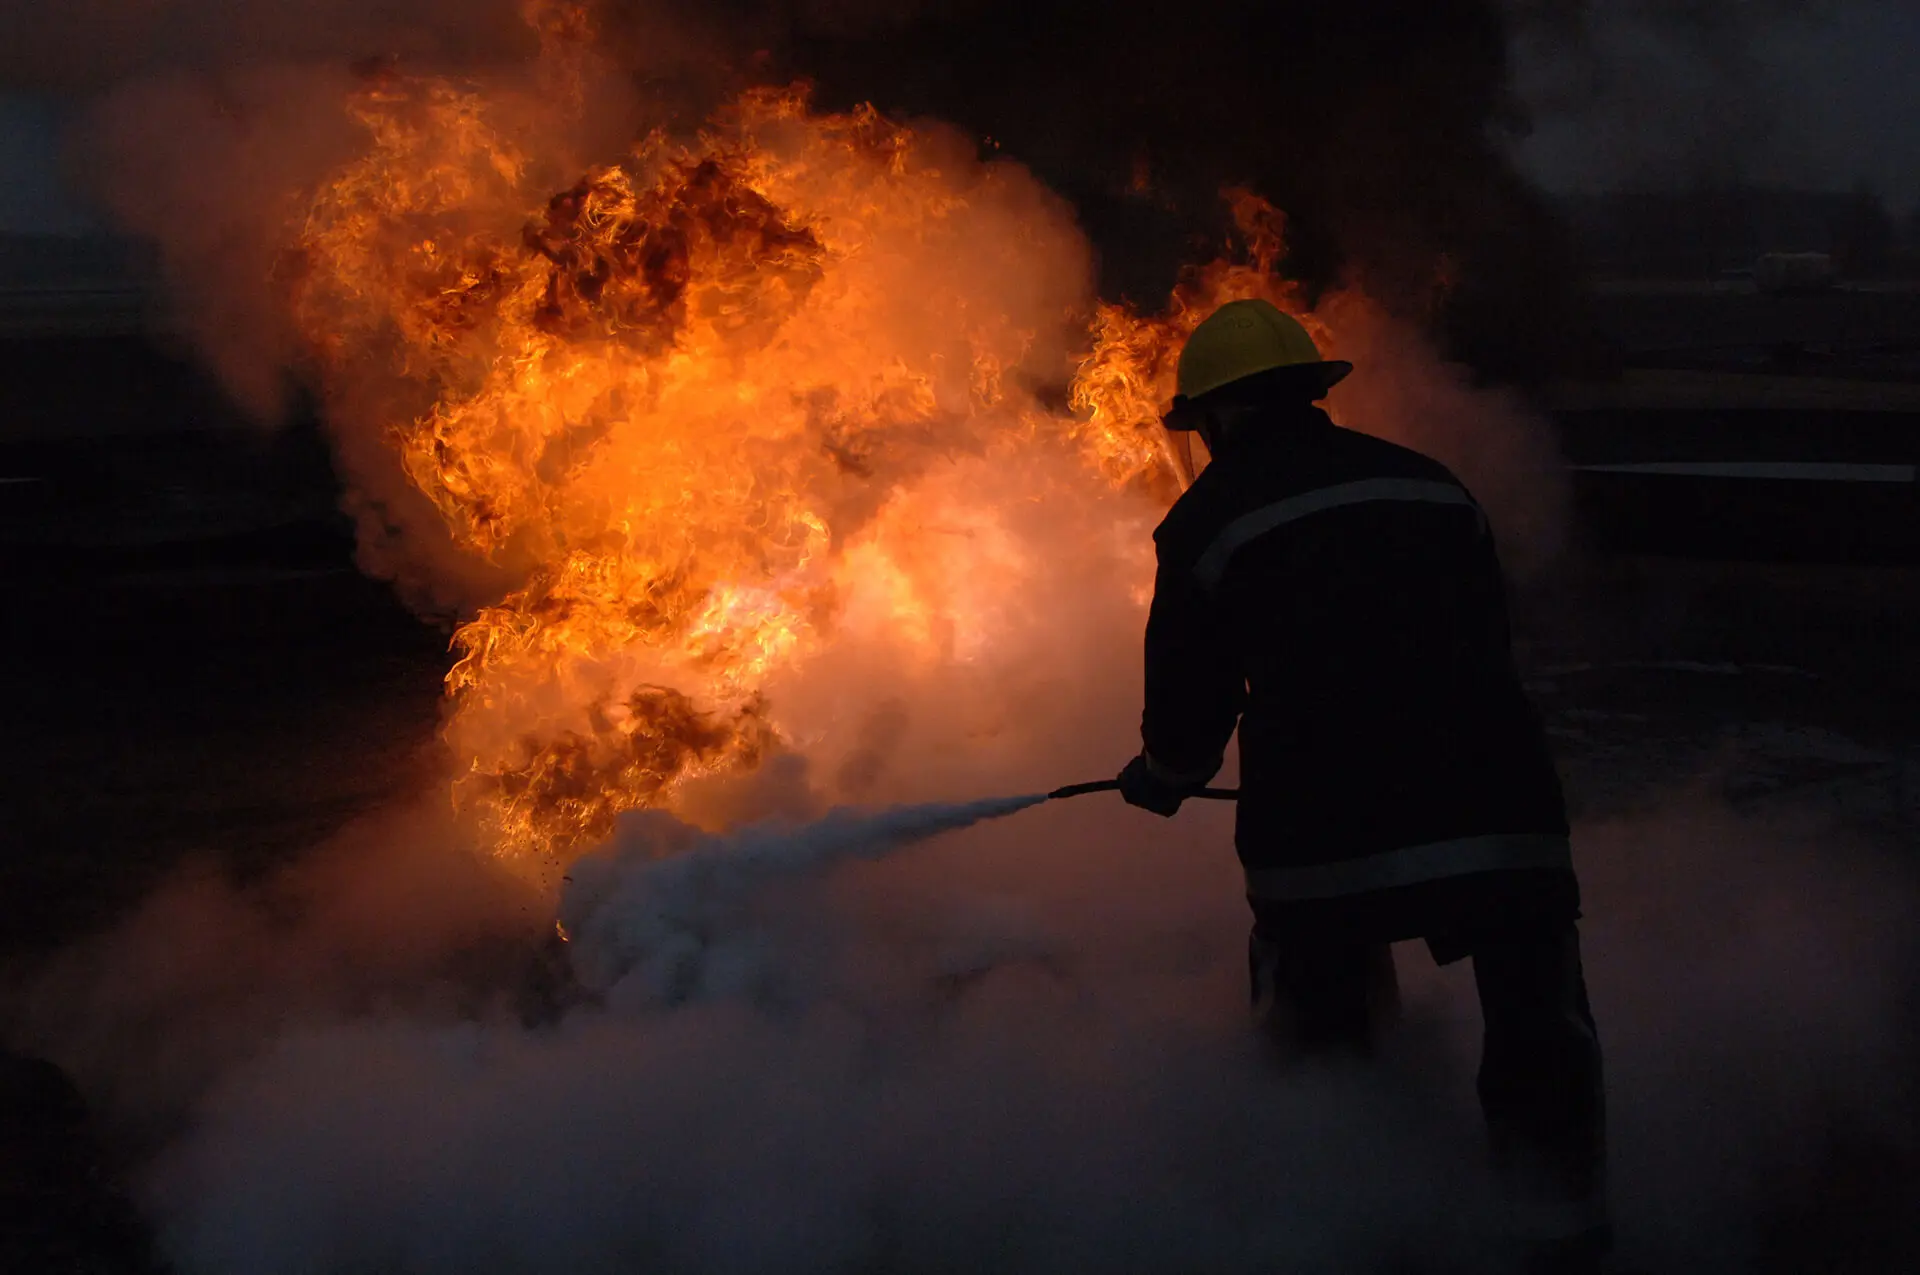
(1339, 598)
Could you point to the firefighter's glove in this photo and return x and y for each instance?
(1141, 787)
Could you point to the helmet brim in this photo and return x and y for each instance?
(1315, 379)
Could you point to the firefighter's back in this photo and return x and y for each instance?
(1362, 589)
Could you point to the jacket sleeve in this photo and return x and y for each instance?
(1196, 688)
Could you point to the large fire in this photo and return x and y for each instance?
(705, 401)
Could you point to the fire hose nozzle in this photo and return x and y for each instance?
(1113, 785)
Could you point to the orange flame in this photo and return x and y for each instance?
(1126, 383)
(695, 402)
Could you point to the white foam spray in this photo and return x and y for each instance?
(649, 931)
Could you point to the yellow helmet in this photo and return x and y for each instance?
(1243, 339)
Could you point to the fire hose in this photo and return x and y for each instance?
(1113, 785)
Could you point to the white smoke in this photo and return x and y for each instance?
(816, 1055)
(1013, 1046)
(1017, 1046)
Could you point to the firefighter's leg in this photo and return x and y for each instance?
(1320, 997)
(1541, 1090)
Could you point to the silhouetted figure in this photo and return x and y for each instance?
(1338, 598)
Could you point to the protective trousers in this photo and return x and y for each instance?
(1540, 1082)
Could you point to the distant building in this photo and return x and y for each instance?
(75, 262)
(76, 283)
(1707, 233)
(1781, 273)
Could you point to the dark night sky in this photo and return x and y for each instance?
(1821, 97)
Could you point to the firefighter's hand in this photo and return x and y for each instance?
(1141, 787)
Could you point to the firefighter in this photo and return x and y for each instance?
(1338, 598)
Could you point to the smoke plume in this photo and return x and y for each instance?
(1715, 93)
(1017, 1045)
